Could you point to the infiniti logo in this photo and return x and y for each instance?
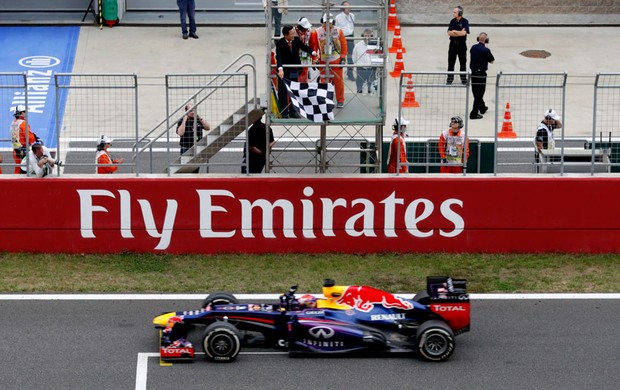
(321, 332)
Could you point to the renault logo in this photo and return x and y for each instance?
(322, 332)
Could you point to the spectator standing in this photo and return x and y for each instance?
(21, 136)
(187, 9)
(308, 37)
(190, 130)
(103, 157)
(287, 53)
(345, 20)
(276, 13)
(452, 146)
(257, 142)
(397, 148)
(362, 58)
(39, 163)
(544, 133)
(481, 57)
(457, 31)
(332, 50)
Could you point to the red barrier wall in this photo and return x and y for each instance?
(365, 214)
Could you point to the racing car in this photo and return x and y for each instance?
(347, 319)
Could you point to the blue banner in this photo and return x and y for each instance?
(39, 52)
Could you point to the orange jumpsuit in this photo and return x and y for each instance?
(337, 53)
(19, 127)
(104, 158)
(450, 148)
(309, 38)
(396, 144)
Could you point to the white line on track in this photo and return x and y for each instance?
(143, 364)
(168, 297)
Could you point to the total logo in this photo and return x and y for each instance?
(443, 308)
(322, 332)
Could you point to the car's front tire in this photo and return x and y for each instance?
(435, 341)
(221, 342)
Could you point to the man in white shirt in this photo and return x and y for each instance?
(39, 163)
(346, 21)
(362, 53)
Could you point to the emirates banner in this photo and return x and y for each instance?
(312, 215)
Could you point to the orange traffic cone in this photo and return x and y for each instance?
(399, 65)
(409, 100)
(392, 19)
(507, 131)
(397, 42)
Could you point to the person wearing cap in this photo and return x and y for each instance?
(544, 133)
(346, 21)
(19, 131)
(308, 37)
(332, 50)
(276, 14)
(453, 146)
(39, 163)
(103, 158)
(397, 147)
(287, 53)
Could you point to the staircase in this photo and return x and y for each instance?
(215, 140)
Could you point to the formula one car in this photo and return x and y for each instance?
(349, 319)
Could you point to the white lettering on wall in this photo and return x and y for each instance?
(206, 213)
(354, 217)
(450, 215)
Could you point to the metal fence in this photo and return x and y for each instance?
(103, 104)
(12, 89)
(523, 99)
(97, 105)
(428, 103)
(605, 129)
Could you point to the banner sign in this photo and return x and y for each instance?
(311, 215)
(40, 52)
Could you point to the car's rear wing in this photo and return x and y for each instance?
(444, 288)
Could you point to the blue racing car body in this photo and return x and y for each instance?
(348, 319)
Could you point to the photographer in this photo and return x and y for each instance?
(544, 133)
(38, 163)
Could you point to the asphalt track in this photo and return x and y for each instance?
(110, 344)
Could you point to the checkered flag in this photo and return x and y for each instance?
(315, 101)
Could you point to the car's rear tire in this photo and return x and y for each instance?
(435, 341)
(219, 298)
(422, 298)
(221, 342)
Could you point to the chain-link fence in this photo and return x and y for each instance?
(102, 104)
(606, 132)
(429, 107)
(525, 99)
(213, 109)
(349, 142)
(13, 90)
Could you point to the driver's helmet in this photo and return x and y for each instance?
(307, 301)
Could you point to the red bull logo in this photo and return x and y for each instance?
(365, 298)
